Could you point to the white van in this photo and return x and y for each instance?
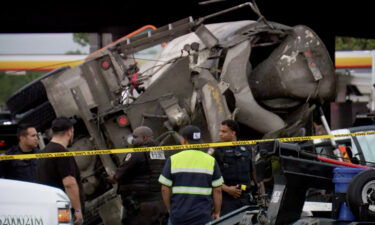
(24, 203)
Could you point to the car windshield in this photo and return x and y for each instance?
(367, 142)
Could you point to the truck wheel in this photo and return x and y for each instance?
(41, 117)
(361, 190)
(31, 95)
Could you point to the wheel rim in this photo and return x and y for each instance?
(368, 195)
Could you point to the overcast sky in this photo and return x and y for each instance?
(39, 44)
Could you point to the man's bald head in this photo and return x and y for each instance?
(142, 135)
(143, 131)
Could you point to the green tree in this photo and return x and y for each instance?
(81, 38)
(76, 52)
(10, 83)
(350, 43)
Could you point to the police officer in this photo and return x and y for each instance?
(25, 169)
(138, 182)
(235, 165)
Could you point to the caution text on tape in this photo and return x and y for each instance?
(174, 147)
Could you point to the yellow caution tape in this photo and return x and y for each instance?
(174, 147)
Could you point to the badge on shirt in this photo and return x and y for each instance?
(128, 156)
(157, 155)
(243, 148)
(211, 151)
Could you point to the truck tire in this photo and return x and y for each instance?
(361, 190)
(31, 95)
(41, 117)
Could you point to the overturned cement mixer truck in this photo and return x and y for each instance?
(263, 74)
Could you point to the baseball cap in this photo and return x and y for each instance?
(62, 124)
(192, 134)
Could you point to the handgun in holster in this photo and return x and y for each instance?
(131, 204)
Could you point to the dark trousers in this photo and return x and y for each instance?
(150, 212)
(230, 203)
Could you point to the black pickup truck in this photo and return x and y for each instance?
(8, 131)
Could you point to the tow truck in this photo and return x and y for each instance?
(294, 171)
(302, 174)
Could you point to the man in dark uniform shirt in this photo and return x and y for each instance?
(22, 169)
(138, 186)
(62, 172)
(236, 167)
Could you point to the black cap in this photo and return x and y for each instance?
(62, 124)
(192, 134)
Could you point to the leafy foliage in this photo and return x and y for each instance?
(81, 38)
(349, 43)
(10, 83)
(76, 52)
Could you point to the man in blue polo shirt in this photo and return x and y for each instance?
(191, 183)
